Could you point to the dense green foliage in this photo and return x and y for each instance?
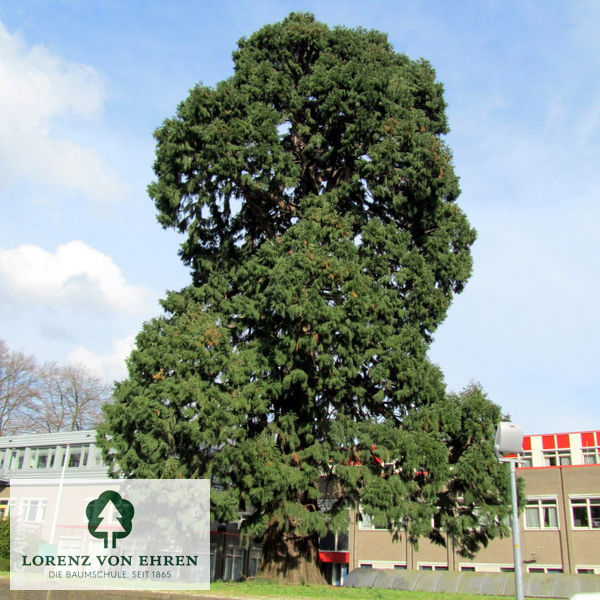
(317, 198)
(5, 538)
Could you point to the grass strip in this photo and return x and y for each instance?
(263, 589)
(266, 589)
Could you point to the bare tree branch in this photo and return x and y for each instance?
(49, 398)
(18, 388)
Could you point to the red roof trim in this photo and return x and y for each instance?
(560, 433)
(558, 467)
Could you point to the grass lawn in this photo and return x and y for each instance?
(263, 589)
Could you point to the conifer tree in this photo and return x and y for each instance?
(318, 202)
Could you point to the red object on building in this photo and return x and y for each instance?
(548, 442)
(334, 557)
(562, 440)
(527, 443)
(587, 439)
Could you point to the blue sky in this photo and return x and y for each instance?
(83, 261)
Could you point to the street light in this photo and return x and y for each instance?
(509, 441)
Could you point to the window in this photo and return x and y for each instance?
(486, 519)
(234, 562)
(542, 569)
(98, 460)
(585, 513)
(327, 542)
(526, 460)
(78, 456)
(254, 561)
(591, 456)
(541, 513)
(213, 561)
(41, 458)
(74, 458)
(33, 509)
(432, 567)
(334, 542)
(401, 567)
(16, 459)
(45, 458)
(366, 566)
(371, 523)
(554, 458)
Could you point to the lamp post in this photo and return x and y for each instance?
(509, 440)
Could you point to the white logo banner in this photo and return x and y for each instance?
(101, 534)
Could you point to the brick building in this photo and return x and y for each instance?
(560, 525)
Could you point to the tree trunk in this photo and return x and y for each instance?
(290, 558)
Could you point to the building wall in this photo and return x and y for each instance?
(47, 455)
(551, 540)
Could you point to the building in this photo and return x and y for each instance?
(560, 525)
(47, 455)
(74, 455)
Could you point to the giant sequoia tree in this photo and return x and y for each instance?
(317, 199)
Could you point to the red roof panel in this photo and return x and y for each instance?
(587, 439)
(548, 442)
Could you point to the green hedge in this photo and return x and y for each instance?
(5, 539)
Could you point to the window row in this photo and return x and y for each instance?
(478, 567)
(556, 458)
(552, 458)
(591, 456)
(32, 510)
(48, 457)
(540, 513)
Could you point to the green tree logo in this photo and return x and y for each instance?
(109, 513)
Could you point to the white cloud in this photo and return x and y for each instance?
(110, 367)
(37, 88)
(75, 276)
